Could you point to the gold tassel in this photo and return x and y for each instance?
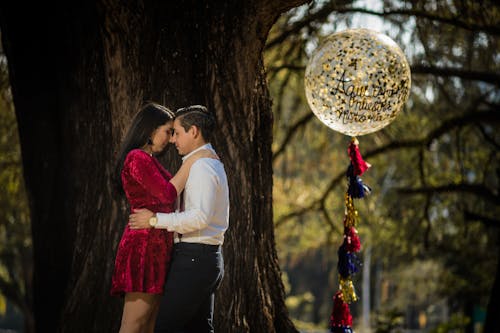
(347, 289)
(351, 214)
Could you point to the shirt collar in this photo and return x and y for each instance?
(205, 146)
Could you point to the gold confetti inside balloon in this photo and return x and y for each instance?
(357, 81)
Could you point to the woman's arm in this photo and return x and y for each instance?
(140, 167)
(180, 178)
(140, 218)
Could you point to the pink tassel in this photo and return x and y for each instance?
(358, 164)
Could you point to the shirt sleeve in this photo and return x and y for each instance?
(201, 187)
(142, 169)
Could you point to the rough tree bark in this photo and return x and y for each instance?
(78, 74)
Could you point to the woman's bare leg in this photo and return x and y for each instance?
(137, 312)
(154, 313)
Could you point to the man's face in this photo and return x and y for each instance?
(182, 139)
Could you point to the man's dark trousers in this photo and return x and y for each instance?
(187, 305)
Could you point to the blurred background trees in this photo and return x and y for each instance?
(430, 229)
(15, 233)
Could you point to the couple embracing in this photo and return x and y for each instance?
(169, 261)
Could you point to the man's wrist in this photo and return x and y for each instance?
(153, 220)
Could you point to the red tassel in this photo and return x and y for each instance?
(358, 164)
(341, 316)
(351, 239)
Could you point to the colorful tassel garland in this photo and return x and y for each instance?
(348, 262)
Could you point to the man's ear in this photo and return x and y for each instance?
(196, 131)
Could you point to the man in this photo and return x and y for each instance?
(197, 265)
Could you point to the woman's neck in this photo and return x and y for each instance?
(147, 149)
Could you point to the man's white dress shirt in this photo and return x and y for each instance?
(206, 203)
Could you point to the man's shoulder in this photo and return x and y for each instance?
(206, 162)
(205, 166)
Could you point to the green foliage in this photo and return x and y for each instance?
(3, 305)
(15, 238)
(456, 324)
(443, 167)
(304, 326)
(300, 302)
(389, 322)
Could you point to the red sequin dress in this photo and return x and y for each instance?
(143, 255)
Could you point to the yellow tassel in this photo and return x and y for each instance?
(351, 214)
(347, 289)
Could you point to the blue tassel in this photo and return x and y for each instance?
(350, 171)
(356, 189)
(341, 329)
(348, 262)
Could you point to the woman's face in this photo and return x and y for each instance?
(161, 136)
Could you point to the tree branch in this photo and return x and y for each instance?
(488, 138)
(329, 220)
(331, 7)
(271, 10)
(281, 6)
(478, 189)
(489, 77)
(315, 205)
(275, 69)
(468, 215)
(291, 132)
(445, 127)
(455, 21)
(321, 14)
(470, 117)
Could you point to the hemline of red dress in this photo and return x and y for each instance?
(143, 255)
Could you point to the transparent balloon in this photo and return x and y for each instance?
(357, 81)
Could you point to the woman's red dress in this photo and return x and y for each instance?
(144, 255)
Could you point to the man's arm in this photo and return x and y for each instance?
(140, 219)
(202, 186)
(201, 189)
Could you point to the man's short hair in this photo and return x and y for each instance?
(199, 116)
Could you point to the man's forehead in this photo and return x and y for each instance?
(177, 124)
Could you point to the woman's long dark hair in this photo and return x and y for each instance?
(150, 117)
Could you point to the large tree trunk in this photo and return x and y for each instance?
(77, 76)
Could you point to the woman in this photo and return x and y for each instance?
(143, 255)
